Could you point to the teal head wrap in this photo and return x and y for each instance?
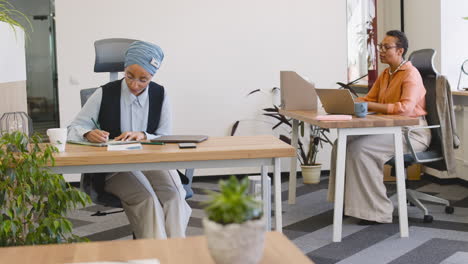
(147, 55)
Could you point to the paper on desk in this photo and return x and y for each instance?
(333, 117)
(135, 261)
(132, 146)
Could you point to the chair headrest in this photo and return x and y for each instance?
(110, 54)
(423, 60)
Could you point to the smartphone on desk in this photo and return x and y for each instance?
(187, 145)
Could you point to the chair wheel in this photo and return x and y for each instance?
(449, 209)
(411, 204)
(428, 219)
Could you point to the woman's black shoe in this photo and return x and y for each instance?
(367, 222)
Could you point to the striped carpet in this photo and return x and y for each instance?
(308, 224)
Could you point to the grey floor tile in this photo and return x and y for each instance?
(433, 251)
(394, 247)
(111, 234)
(77, 223)
(309, 224)
(356, 242)
(457, 258)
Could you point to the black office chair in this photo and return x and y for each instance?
(433, 156)
(110, 57)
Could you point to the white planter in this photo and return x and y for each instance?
(235, 243)
(311, 174)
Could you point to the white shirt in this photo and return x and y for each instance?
(133, 114)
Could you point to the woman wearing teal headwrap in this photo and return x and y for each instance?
(135, 108)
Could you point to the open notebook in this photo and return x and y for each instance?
(104, 144)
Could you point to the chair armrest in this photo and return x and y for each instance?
(411, 148)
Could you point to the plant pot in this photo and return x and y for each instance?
(311, 173)
(235, 243)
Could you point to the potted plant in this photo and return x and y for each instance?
(234, 226)
(12, 17)
(309, 166)
(33, 200)
(307, 157)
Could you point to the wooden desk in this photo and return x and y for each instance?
(216, 152)
(460, 93)
(370, 125)
(278, 249)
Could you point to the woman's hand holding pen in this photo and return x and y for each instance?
(97, 136)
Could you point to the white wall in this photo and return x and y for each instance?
(454, 35)
(12, 70)
(12, 58)
(438, 24)
(423, 26)
(216, 52)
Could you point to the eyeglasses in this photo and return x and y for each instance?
(384, 48)
(133, 79)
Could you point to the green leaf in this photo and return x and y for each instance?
(6, 226)
(33, 200)
(232, 204)
(56, 224)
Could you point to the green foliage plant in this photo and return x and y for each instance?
(317, 138)
(232, 204)
(13, 17)
(33, 200)
(317, 135)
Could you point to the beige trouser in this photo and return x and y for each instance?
(365, 193)
(154, 202)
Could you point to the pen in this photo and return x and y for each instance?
(95, 123)
(151, 143)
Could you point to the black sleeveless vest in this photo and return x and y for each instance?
(109, 114)
(109, 119)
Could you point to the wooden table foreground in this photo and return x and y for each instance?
(278, 249)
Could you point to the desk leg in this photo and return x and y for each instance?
(339, 185)
(401, 189)
(266, 206)
(277, 186)
(293, 167)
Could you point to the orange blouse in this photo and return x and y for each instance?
(404, 94)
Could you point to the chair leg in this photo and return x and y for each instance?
(415, 197)
(412, 197)
(99, 213)
(430, 198)
(188, 186)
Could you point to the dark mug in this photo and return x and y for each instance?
(360, 109)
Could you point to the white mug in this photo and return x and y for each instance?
(58, 137)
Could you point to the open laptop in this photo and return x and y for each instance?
(336, 101)
(181, 139)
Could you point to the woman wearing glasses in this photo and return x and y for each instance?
(135, 108)
(399, 90)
